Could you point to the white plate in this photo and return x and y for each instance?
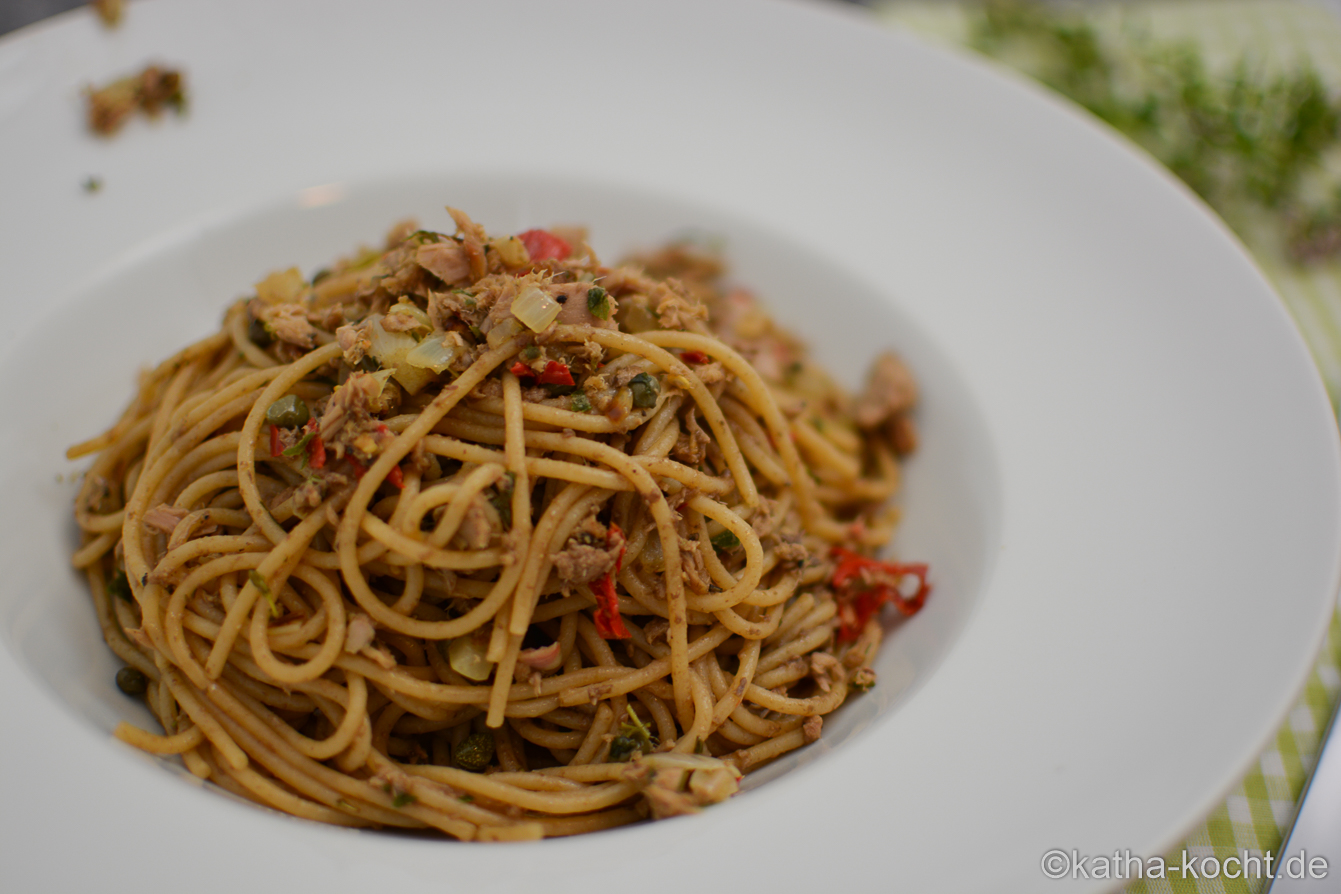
(1128, 487)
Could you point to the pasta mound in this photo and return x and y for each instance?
(477, 534)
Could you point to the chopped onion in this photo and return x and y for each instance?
(511, 251)
(504, 330)
(412, 311)
(466, 656)
(391, 350)
(535, 308)
(282, 287)
(432, 353)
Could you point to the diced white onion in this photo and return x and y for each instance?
(466, 656)
(432, 354)
(391, 350)
(388, 348)
(502, 332)
(535, 308)
(405, 308)
(511, 251)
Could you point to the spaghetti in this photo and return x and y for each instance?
(479, 535)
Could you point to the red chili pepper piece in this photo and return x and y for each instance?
(542, 245)
(316, 452)
(276, 446)
(865, 585)
(396, 477)
(359, 468)
(694, 358)
(316, 448)
(521, 370)
(609, 623)
(556, 373)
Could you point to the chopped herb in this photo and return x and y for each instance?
(259, 583)
(529, 353)
(475, 752)
(299, 448)
(321, 274)
(92, 184)
(725, 542)
(466, 799)
(403, 798)
(424, 237)
(131, 681)
(622, 748)
(598, 302)
(580, 404)
(645, 390)
(637, 731)
(119, 586)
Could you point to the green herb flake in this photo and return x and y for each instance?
(264, 589)
(300, 448)
(598, 302)
(637, 732)
(92, 184)
(402, 799)
(621, 749)
(580, 403)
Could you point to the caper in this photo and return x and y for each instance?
(131, 681)
(725, 542)
(622, 748)
(475, 752)
(290, 411)
(644, 389)
(119, 587)
(259, 334)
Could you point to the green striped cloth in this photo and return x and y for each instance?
(1272, 34)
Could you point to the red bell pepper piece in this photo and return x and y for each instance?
(542, 245)
(556, 373)
(396, 477)
(694, 358)
(865, 585)
(609, 623)
(276, 446)
(521, 370)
